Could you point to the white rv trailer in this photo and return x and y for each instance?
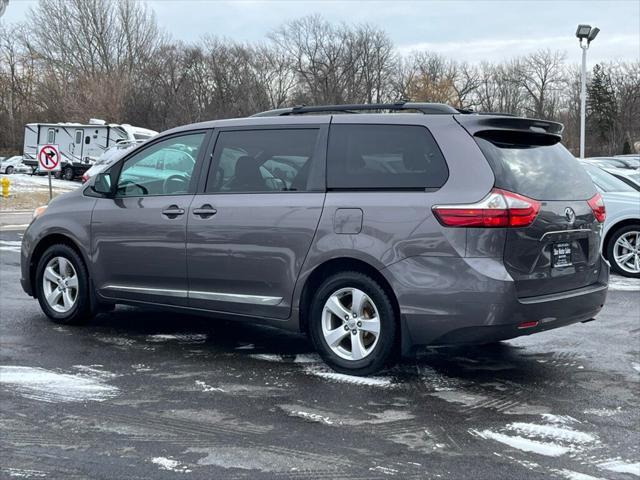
(80, 144)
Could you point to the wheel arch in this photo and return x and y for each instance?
(43, 244)
(342, 264)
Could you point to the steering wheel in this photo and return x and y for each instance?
(175, 183)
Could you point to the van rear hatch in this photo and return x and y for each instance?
(559, 250)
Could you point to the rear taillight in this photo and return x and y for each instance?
(498, 209)
(84, 178)
(597, 207)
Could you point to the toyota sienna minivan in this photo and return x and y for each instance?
(374, 229)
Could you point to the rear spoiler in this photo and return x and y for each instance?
(475, 124)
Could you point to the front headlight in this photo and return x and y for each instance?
(38, 211)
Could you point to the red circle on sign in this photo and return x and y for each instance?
(48, 157)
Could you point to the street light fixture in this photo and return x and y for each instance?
(585, 35)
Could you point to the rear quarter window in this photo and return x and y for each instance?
(384, 157)
(537, 166)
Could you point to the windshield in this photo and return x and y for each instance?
(606, 181)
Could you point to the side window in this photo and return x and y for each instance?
(79, 136)
(145, 173)
(270, 160)
(384, 156)
(51, 135)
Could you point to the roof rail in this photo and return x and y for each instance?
(426, 108)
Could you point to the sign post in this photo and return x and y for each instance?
(49, 161)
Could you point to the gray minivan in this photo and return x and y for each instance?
(374, 229)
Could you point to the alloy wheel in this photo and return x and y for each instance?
(626, 252)
(350, 324)
(60, 284)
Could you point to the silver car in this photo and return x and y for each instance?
(621, 235)
(373, 233)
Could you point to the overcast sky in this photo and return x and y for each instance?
(465, 30)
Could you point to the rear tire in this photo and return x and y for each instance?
(9, 170)
(62, 286)
(623, 250)
(67, 173)
(353, 324)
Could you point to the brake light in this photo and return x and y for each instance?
(84, 178)
(498, 209)
(597, 207)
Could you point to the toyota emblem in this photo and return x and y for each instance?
(570, 215)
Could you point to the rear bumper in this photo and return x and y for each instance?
(460, 301)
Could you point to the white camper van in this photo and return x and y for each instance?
(80, 144)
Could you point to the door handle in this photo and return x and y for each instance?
(205, 211)
(172, 211)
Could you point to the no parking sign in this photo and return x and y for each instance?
(49, 158)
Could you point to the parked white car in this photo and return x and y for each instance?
(621, 235)
(109, 157)
(13, 165)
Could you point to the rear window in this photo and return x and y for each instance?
(537, 166)
(607, 182)
(384, 157)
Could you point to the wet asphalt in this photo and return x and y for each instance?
(145, 394)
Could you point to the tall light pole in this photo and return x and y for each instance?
(585, 35)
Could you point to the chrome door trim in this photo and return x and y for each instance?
(235, 298)
(216, 296)
(146, 290)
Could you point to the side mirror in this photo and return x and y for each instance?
(103, 185)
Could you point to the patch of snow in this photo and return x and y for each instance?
(635, 366)
(553, 432)
(178, 337)
(47, 386)
(620, 466)
(384, 470)
(170, 464)
(208, 388)
(524, 444)
(307, 358)
(267, 357)
(559, 419)
(31, 183)
(312, 417)
(24, 473)
(327, 374)
(248, 346)
(624, 284)
(571, 475)
(95, 371)
(603, 412)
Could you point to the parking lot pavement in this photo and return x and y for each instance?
(148, 394)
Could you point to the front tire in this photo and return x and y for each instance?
(623, 251)
(353, 324)
(9, 170)
(62, 286)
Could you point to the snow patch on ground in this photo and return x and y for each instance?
(384, 470)
(549, 449)
(208, 388)
(554, 439)
(311, 417)
(178, 337)
(322, 372)
(31, 183)
(47, 386)
(603, 412)
(624, 284)
(10, 246)
(552, 432)
(170, 464)
(635, 366)
(24, 473)
(571, 475)
(620, 466)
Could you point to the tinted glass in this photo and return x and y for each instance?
(384, 156)
(607, 182)
(262, 160)
(536, 166)
(165, 168)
